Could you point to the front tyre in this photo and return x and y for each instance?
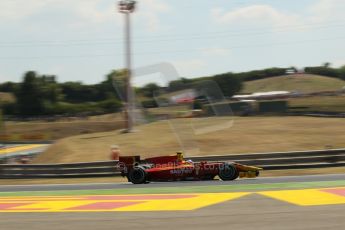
(137, 175)
(228, 172)
(257, 173)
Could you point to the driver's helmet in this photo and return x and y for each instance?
(179, 156)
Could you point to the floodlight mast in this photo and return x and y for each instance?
(126, 7)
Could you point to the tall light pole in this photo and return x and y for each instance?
(126, 7)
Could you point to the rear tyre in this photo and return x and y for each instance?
(228, 172)
(137, 175)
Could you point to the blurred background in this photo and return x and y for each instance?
(251, 76)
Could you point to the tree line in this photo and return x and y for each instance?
(43, 95)
(326, 70)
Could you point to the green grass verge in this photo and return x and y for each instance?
(187, 189)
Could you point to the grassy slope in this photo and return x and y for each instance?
(318, 104)
(302, 83)
(248, 134)
(65, 127)
(57, 130)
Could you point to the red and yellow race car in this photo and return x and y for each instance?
(175, 168)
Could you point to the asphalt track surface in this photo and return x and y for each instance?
(259, 180)
(248, 212)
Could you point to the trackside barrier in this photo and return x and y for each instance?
(268, 161)
(75, 170)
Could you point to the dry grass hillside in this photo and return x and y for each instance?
(58, 130)
(248, 134)
(305, 83)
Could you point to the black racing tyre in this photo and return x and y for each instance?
(137, 175)
(228, 172)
